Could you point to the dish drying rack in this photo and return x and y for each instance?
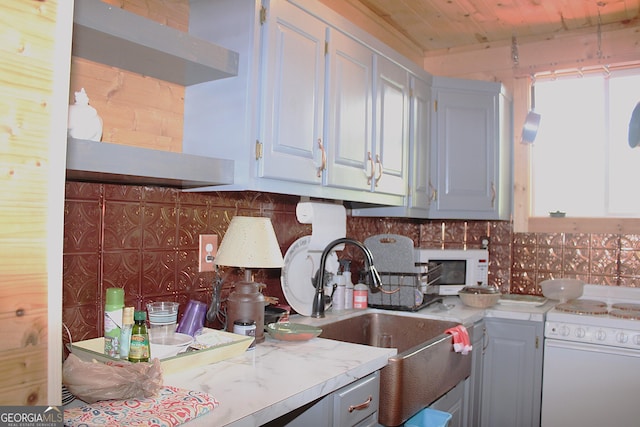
(407, 291)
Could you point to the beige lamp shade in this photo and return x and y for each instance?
(250, 242)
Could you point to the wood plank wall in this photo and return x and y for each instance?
(33, 44)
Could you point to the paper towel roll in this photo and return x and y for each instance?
(328, 223)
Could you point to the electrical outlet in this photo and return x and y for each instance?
(208, 250)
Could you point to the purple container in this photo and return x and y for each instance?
(193, 319)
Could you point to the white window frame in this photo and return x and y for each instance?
(523, 221)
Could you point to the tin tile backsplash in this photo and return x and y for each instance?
(145, 240)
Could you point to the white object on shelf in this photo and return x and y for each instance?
(84, 121)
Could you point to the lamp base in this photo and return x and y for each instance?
(246, 303)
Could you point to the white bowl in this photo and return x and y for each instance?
(479, 300)
(562, 289)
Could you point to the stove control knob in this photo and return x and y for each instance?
(622, 338)
(636, 340)
(580, 333)
(601, 335)
(564, 331)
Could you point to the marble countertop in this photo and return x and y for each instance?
(277, 377)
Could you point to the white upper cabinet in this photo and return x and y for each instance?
(350, 113)
(367, 127)
(419, 193)
(317, 109)
(293, 88)
(471, 150)
(420, 137)
(392, 128)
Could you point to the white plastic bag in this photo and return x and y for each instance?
(94, 381)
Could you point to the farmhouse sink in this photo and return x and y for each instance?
(424, 369)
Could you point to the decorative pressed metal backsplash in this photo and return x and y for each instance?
(145, 239)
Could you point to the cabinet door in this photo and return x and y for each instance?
(464, 161)
(392, 128)
(293, 82)
(473, 386)
(453, 403)
(419, 191)
(350, 151)
(512, 374)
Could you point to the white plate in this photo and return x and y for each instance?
(169, 346)
(300, 265)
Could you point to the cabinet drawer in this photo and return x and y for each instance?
(357, 401)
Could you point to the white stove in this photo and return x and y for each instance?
(604, 315)
(591, 371)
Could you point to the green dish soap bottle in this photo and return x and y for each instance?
(139, 350)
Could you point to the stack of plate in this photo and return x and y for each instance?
(67, 397)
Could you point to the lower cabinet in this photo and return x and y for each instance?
(464, 400)
(503, 390)
(454, 403)
(353, 405)
(512, 373)
(473, 384)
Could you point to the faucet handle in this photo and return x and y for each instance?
(376, 282)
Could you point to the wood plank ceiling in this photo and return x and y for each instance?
(435, 25)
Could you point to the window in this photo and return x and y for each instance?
(581, 161)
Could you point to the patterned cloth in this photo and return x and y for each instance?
(172, 406)
(461, 341)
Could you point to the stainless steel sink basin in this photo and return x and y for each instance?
(424, 369)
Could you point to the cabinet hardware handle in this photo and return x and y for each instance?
(485, 339)
(434, 192)
(361, 406)
(258, 150)
(380, 169)
(263, 15)
(323, 162)
(373, 169)
(493, 194)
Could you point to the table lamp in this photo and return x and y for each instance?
(249, 243)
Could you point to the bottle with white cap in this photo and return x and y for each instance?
(348, 284)
(338, 294)
(360, 294)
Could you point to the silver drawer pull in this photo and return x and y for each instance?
(361, 406)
